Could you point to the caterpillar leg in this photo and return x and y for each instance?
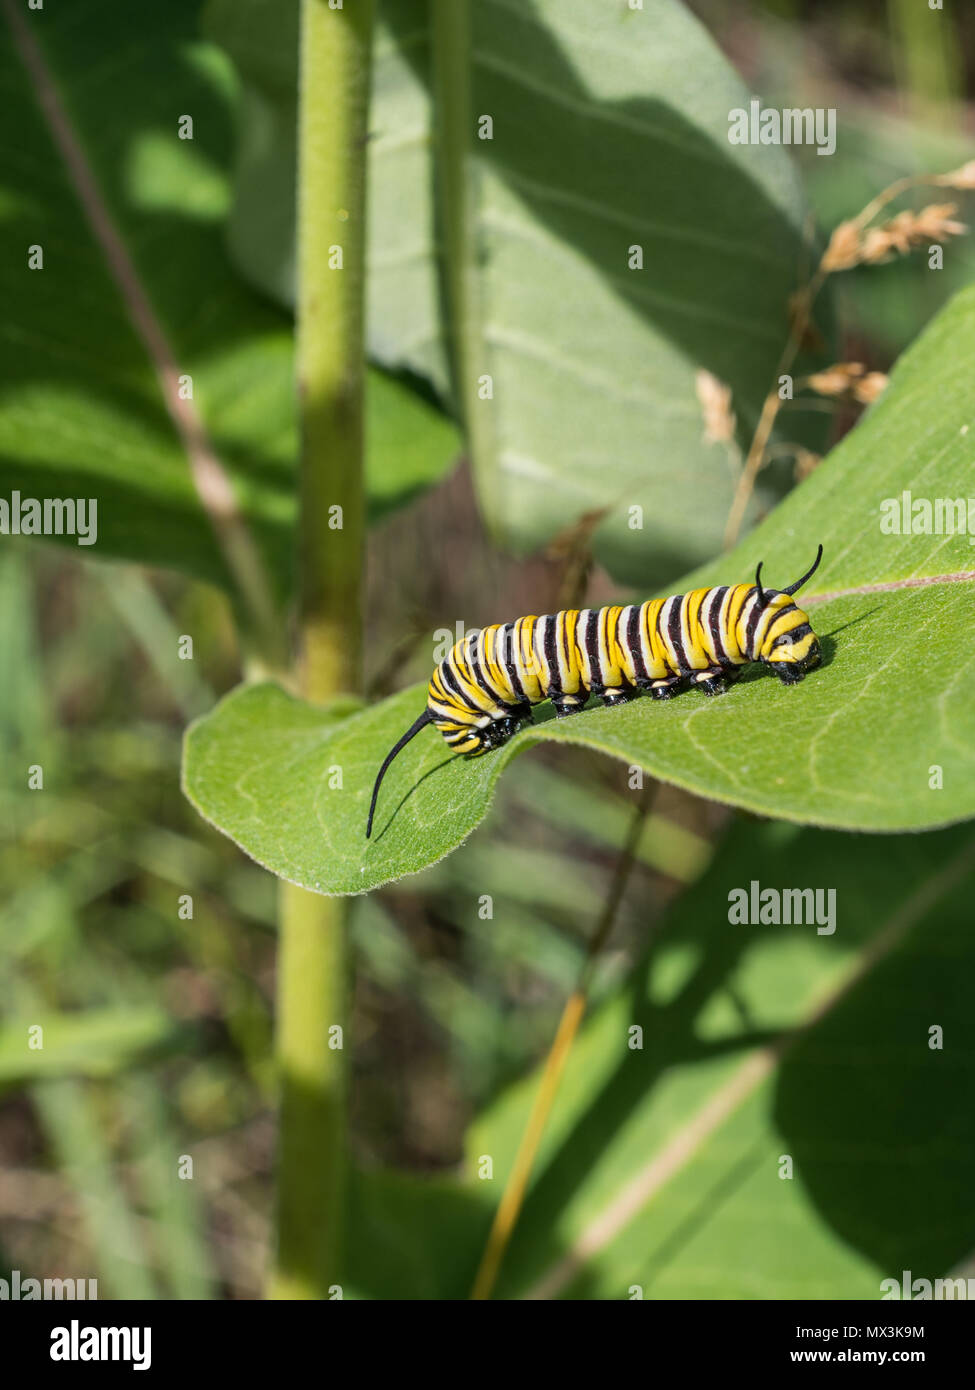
(613, 695)
(717, 680)
(501, 730)
(568, 704)
(666, 688)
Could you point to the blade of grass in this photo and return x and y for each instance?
(513, 1197)
(76, 1133)
(177, 1215)
(137, 604)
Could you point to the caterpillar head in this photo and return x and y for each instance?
(784, 638)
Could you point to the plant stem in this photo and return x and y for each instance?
(757, 452)
(927, 63)
(770, 409)
(313, 959)
(454, 132)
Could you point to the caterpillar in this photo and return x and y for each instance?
(482, 692)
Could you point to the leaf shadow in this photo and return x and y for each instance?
(879, 1124)
(671, 1038)
(412, 791)
(860, 618)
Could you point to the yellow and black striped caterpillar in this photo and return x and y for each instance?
(483, 691)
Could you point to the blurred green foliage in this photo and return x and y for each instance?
(81, 412)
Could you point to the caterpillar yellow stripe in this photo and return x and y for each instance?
(483, 691)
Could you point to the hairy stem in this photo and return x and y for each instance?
(454, 123)
(313, 964)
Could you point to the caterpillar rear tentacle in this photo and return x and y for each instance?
(483, 691)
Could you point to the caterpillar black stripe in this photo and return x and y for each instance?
(483, 691)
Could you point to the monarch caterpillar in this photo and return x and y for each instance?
(482, 692)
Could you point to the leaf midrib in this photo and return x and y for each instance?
(913, 582)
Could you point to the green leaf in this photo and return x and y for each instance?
(97, 1042)
(403, 298)
(82, 413)
(414, 1237)
(853, 746)
(661, 1164)
(610, 132)
(409, 444)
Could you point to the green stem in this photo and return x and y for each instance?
(454, 120)
(313, 953)
(927, 59)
